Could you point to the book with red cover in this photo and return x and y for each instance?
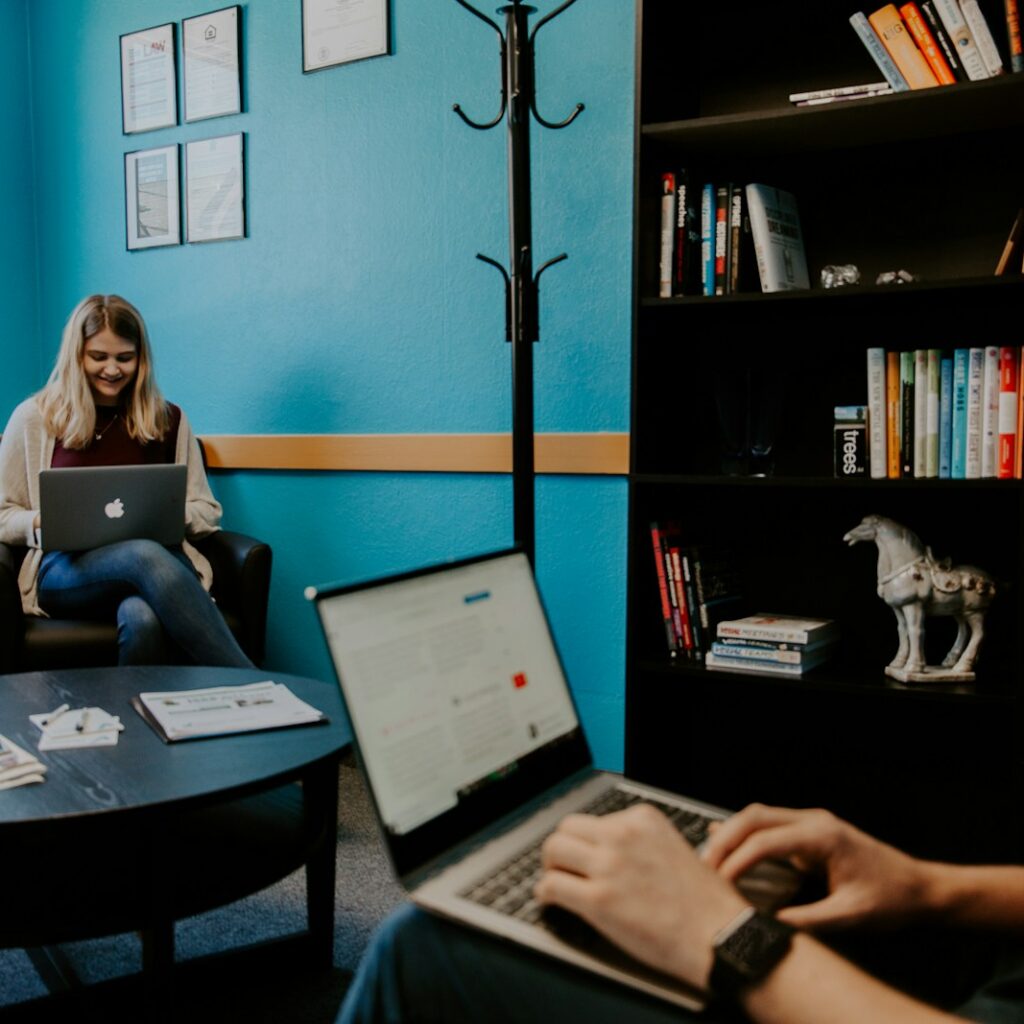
(927, 44)
(684, 611)
(721, 239)
(1008, 400)
(666, 607)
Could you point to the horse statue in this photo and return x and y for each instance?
(914, 584)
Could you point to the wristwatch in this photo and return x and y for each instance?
(745, 950)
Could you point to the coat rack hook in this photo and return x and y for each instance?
(550, 263)
(504, 86)
(554, 125)
(508, 292)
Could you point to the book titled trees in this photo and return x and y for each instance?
(954, 415)
(722, 239)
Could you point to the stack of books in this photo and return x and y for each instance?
(17, 766)
(773, 644)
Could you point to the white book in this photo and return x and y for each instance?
(931, 448)
(990, 412)
(778, 241)
(789, 629)
(921, 413)
(975, 388)
(668, 234)
(959, 32)
(982, 36)
(838, 90)
(717, 663)
(876, 413)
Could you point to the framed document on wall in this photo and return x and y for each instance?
(211, 50)
(215, 188)
(152, 206)
(339, 31)
(149, 83)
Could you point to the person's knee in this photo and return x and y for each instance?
(140, 635)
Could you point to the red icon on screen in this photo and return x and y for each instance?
(519, 680)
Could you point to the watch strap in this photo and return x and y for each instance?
(746, 950)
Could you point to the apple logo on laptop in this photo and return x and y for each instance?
(114, 509)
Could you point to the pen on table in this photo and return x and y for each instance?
(82, 722)
(54, 715)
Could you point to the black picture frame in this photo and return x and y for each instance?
(213, 190)
(233, 40)
(142, 232)
(163, 39)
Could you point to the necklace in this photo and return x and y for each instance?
(100, 433)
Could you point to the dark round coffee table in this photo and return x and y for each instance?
(137, 836)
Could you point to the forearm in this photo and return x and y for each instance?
(972, 896)
(813, 985)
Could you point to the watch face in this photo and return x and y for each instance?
(755, 946)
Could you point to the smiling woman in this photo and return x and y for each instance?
(101, 407)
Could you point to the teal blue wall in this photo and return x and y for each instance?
(356, 306)
(17, 251)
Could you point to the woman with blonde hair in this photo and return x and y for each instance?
(102, 407)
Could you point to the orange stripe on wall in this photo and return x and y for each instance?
(417, 453)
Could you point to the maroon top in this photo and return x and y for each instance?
(113, 446)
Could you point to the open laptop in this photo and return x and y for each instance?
(473, 752)
(89, 506)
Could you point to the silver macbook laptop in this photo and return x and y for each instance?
(473, 752)
(89, 506)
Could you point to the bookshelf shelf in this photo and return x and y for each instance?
(918, 181)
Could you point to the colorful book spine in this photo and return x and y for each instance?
(723, 651)
(686, 248)
(958, 461)
(673, 587)
(734, 242)
(1018, 467)
(1013, 35)
(920, 413)
(1008, 401)
(886, 21)
(877, 458)
(668, 234)
(975, 392)
(892, 414)
(927, 44)
(700, 640)
(666, 607)
(990, 411)
(931, 444)
(928, 12)
(721, 236)
(960, 35)
(906, 414)
(982, 37)
(685, 629)
(945, 418)
(878, 52)
(707, 240)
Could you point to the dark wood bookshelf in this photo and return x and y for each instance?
(920, 181)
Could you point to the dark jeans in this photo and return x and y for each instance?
(161, 608)
(424, 969)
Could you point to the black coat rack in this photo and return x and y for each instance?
(518, 102)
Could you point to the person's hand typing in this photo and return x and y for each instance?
(868, 881)
(633, 878)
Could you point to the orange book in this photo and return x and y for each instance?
(927, 45)
(892, 414)
(890, 28)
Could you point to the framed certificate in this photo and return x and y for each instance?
(152, 206)
(215, 188)
(211, 47)
(340, 31)
(149, 83)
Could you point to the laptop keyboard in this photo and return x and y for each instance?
(509, 890)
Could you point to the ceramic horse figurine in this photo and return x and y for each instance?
(914, 585)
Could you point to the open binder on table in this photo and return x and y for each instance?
(222, 710)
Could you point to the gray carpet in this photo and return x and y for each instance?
(365, 893)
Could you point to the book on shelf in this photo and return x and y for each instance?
(945, 416)
(738, 652)
(674, 593)
(850, 448)
(721, 237)
(958, 457)
(982, 37)
(718, 587)
(1018, 464)
(927, 44)
(931, 444)
(953, 21)
(792, 629)
(690, 589)
(886, 91)
(668, 233)
(778, 241)
(707, 239)
(892, 30)
(975, 403)
(920, 413)
(686, 244)
(906, 414)
(717, 663)
(679, 580)
(661, 571)
(892, 414)
(223, 710)
(938, 31)
(879, 54)
(839, 91)
(1016, 45)
(734, 241)
(990, 411)
(877, 434)
(1009, 368)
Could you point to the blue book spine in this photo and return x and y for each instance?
(945, 418)
(707, 240)
(958, 445)
(881, 56)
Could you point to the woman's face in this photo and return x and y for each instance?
(110, 364)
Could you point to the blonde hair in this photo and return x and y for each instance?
(67, 403)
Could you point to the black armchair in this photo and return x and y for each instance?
(241, 588)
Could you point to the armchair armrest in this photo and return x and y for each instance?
(12, 618)
(241, 584)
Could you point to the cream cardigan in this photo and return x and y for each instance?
(27, 447)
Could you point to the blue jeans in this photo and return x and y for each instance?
(154, 594)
